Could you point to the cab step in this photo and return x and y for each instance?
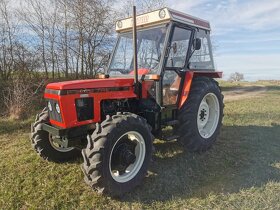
(171, 123)
(170, 138)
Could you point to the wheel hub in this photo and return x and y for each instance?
(208, 115)
(203, 113)
(123, 156)
(127, 156)
(59, 144)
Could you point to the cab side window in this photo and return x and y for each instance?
(202, 58)
(179, 48)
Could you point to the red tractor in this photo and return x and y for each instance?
(160, 74)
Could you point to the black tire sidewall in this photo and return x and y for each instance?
(51, 153)
(187, 129)
(113, 136)
(203, 93)
(41, 143)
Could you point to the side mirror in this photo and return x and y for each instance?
(197, 44)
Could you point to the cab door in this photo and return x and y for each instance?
(175, 62)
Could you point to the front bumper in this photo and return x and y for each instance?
(78, 132)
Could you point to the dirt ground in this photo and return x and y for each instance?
(237, 93)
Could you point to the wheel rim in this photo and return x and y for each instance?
(131, 147)
(59, 145)
(208, 115)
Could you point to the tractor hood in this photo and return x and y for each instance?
(91, 83)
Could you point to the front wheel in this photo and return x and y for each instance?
(201, 116)
(118, 153)
(46, 145)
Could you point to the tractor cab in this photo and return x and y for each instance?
(166, 39)
(169, 45)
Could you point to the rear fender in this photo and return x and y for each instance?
(188, 81)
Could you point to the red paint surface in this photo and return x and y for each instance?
(68, 108)
(140, 72)
(188, 81)
(67, 102)
(91, 83)
(186, 88)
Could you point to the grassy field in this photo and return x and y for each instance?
(242, 170)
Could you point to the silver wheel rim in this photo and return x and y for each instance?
(59, 146)
(140, 152)
(208, 115)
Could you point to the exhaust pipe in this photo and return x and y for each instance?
(135, 63)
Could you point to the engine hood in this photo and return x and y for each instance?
(91, 83)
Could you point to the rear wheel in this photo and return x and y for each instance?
(201, 116)
(118, 153)
(47, 146)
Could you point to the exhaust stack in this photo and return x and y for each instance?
(135, 63)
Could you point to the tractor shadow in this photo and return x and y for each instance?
(242, 157)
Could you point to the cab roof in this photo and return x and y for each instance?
(161, 16)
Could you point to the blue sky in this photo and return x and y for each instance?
(245, 34)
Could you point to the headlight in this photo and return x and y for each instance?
(50, 106)
(57, 108)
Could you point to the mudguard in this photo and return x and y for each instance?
(188, 81)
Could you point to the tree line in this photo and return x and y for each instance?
(50, 40)
(60, 38)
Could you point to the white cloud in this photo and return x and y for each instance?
(251, 14)
(186, 5)
(246, 14)
(250, 27)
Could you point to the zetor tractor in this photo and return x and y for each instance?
(160, 75)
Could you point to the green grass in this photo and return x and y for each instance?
(241, 171)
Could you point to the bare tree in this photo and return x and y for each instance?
(64, 30)
(19, 95)
(93, 24)
(142, 6)
(7, 40)
(52, 37)
(35, 15)
(236, 77)
(75, 36)
(149, 5)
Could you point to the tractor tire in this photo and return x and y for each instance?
(41, 142)
(200, 118)
(118, 154)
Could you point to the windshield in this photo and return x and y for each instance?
(149, 45)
